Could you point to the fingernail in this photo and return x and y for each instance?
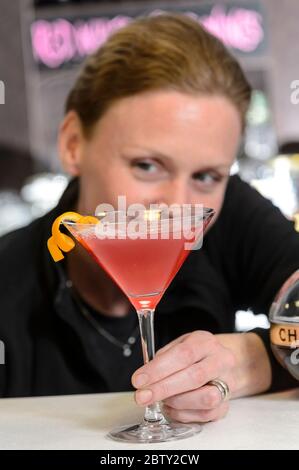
(140, 380)
(144, 396)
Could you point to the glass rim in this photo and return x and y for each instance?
(206, 212)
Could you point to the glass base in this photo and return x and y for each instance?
(146, 433)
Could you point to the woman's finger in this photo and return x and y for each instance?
(203, 398)
(197, 416)
(192, 349)
(189, 378)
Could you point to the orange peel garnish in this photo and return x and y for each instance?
(60, 242)
(88, 219)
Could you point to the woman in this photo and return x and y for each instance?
(157, 115)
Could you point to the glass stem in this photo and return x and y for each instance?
(153, 413)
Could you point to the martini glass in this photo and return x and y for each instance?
(142, 252)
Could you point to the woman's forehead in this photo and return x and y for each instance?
(164, 109)
(172, 123)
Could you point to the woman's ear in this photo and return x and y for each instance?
(71, 143)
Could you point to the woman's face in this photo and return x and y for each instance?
(158, 147)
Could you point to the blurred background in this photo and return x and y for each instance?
(43, 43)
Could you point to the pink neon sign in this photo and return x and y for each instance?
(239, 28)
(60, 41)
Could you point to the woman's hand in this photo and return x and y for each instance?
(180, 372)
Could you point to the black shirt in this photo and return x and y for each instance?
(52, 349)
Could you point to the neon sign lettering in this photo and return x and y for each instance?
(60, 41)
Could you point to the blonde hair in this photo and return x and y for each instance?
(163, 52)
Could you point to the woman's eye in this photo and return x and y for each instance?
(148, 167)
(208, 179)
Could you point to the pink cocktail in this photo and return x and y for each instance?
(143, 264)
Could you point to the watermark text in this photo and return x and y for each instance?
(158, 221)
(2, 353)
(295, 92)
(2, 92)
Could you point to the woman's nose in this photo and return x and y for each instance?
(174, 192)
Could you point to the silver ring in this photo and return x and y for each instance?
(222, 387)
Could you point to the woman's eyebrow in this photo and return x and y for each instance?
(143, 152)
(152, 153)
(149, 152)
(210, 167)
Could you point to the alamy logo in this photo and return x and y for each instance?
(159, 221)
(2, 353)
(295, 93)
(2, 92)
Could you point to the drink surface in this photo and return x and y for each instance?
(143, 268)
